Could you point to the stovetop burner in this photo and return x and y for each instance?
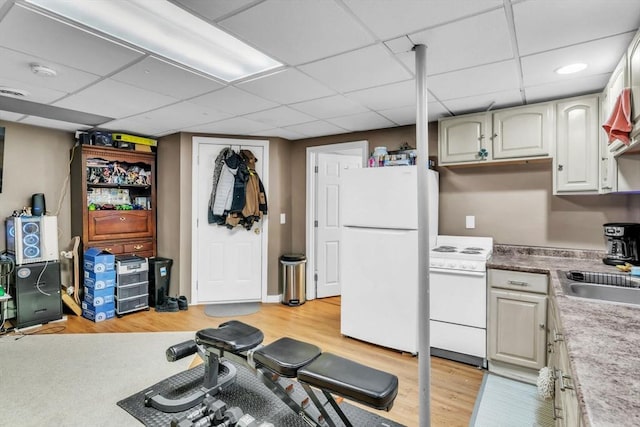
(471, 251)
(473, 248)
(445, 249)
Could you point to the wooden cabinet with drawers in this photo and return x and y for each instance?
(113, 199)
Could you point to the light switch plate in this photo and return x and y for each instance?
(470, 221)
(283, 218)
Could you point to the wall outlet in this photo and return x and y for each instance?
(470, 221)
(283, 218)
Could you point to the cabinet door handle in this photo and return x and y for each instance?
(122, 219)
(560, 167)
(517, 283)
(564, 386)
(138, 247)
(557, 336)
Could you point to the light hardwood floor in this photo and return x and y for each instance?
(454, 386)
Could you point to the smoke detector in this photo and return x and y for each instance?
(13, 92)
(44, 71)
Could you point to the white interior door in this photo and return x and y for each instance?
(229, 263)
(328, 219)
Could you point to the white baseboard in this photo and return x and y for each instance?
(273, 298)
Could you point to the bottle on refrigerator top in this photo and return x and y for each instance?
(380, 154)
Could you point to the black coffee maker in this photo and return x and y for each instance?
(622, 240)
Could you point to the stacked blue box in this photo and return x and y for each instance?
(99, 285)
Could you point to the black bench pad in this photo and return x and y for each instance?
(352, 380)
(286, 355)
(231, 336)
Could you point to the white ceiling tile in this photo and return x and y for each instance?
(179, 116)
(280, 117)
(561, 89)
(234, 101)
(233, 126)
(114, 99)
(213, 9)
(36, 93)
(46, 38)
(10, 116)
(298, 31)
(389, 19)
(53, 124)
(484, 102)
(317, 128)
(331, 106)
(159, 76)
(478, 40)
(362, 121)
(279, 132)
(545, 25)
(137, 125)
(385, 97)
(401, 116)
(490, 78)
(601, 56)
(286, 87)
(360, 69)
(17, 66)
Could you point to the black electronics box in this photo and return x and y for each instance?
(101, 138)
(125, 145)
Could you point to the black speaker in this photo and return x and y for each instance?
(36, 290)
(38, 206)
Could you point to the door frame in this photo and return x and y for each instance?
(346, 148)
(196, 141)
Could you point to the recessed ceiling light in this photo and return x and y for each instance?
(167, 30)
(13, 92)
(571, 68)
(43, 70)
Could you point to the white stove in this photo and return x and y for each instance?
(458, 298)
(461, 253)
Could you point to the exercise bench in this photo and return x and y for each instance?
(276, 365)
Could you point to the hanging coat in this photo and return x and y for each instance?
(256, 199)
(218, 166)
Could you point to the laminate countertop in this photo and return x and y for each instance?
(603, 339)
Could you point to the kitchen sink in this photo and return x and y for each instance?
(601, 286)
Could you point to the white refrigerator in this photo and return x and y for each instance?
(379, 254)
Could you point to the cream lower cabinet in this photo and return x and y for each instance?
(566, 409)
(516, 331)
(577, 160)
(518, 328)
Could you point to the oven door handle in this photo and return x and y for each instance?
(458, 272)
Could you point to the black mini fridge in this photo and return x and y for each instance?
(36, 290)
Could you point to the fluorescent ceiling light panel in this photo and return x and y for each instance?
(168, 31)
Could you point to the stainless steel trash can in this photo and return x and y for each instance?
(293, 279)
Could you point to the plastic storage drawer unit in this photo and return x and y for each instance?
(132, 284)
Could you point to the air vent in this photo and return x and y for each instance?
(15, 93)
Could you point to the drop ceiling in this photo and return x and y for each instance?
(348, 65)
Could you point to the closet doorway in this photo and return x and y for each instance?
(324, 164)
(228, 265)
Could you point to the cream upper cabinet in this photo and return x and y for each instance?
(523, 132)
(462, 138)
(509, 134)
(608, 166)
(633, 58)
(577, 159)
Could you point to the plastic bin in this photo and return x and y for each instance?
(159, 279)
(293, 279)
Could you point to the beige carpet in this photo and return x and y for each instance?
(77, 379)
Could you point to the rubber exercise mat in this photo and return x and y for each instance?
(248, 393)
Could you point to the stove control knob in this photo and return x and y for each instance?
(464, 266)
(473, 267)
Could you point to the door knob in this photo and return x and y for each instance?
(256, 230)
